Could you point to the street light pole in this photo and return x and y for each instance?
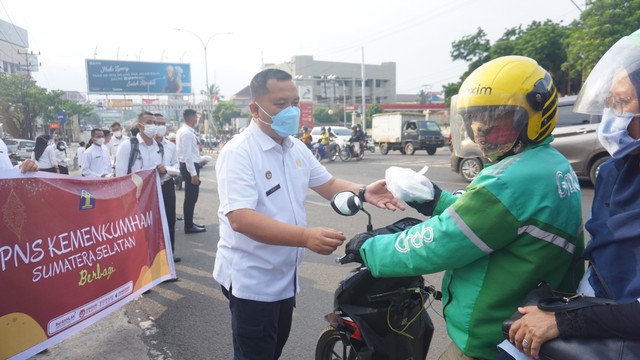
(204, 46)
(344, 98)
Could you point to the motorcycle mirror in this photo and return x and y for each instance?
(346, 203)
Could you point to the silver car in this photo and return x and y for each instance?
(574, 136)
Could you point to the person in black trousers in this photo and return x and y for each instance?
(189, 158)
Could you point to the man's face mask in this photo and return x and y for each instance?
(613, 134)
(284, 123)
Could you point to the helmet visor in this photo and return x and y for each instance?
(622, 60)
(489, 131)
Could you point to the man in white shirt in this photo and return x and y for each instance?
(264, 175)
(170, 160)
(117, 138)
(96, 161)
(148, 154)
(189, 158)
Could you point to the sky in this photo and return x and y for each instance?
(415, 34)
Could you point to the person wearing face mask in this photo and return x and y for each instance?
(117, 138)
(60, 152)
(96, 161)
(264, 174)
(190, 164)
(613, 90)
(170, 160)
(141, 151)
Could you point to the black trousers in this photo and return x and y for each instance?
(169, 198)
(63, 170)
(260, 329)
(191, 193)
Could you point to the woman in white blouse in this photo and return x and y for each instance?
(44, 155)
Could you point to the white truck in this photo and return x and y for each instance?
(406, 132)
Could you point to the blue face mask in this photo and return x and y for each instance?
(613, 135)
(284, 123)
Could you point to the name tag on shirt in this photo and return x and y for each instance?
(273, 189)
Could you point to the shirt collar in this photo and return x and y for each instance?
(265, 141)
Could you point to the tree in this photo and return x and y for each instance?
(223, 113)
(324, 115)
(600, 26)
(372, 110)
(22, 102)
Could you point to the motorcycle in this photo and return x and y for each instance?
(376, 318)
(330, 151)
(352, 150)
(370, 145)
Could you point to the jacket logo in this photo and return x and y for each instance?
(416, 240)
(567, 183)
(268, 175)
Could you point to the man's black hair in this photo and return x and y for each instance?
(115, 124)
(142, 114)
(188, 113)
(106, 132)
(259, 81)
(95, 131)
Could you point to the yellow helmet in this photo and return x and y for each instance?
(515, 88)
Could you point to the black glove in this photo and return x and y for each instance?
(426, 208)
(352, 250)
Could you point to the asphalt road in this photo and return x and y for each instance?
(189, 319)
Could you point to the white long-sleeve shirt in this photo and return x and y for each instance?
(170, 159)
(187, 148)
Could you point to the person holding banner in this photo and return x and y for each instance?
(5, 162)
(147, 153)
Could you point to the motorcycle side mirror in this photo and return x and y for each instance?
(346, 203)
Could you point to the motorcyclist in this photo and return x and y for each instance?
(324, 141)
(518, 222)
(306, 137)
(357, 136)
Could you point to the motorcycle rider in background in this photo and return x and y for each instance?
(357, 136)
(306, 137)
(518, 222)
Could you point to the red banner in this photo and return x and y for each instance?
(73, 250)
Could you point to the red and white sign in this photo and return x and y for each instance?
(73, 250)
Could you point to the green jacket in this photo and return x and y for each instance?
(518, 223)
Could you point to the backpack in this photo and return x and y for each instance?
(135, 151)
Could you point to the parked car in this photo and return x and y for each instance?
(24, 148)
(574, 136)
(12, 145)
(341, 134)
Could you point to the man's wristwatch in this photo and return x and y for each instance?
(361, 193)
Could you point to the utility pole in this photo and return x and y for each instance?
(27, 131)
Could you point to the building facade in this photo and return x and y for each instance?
(14, 44)
(334, 84)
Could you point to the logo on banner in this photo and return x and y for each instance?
(87, 201)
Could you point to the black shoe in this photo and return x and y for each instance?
(194, 230)
(198, 225)
(146, 292)
(172, 280)
(179, 218)
(176, 259)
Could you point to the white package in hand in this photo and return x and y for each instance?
(408, 185)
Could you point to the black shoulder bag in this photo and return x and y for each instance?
(575, 348)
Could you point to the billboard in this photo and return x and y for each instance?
(137, 77)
